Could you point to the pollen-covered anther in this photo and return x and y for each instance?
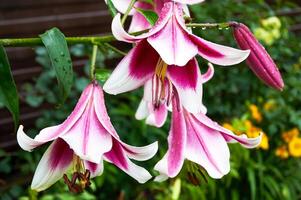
(80, 179)
(159, 82)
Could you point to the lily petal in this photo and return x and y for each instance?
(188, 83)
(139, 22)
(118, 157)
(134, 69)
(51, 133)
(228, 135)
(140, 153)
(207, 147)
(157, 117)
(219, 54)
(173, 160)
(209, 74)
(95, 169)
(26, 142)
(54, 163)
(122, 5)
(121, 35)
(173, 44)
(88, 138)
(142, 111)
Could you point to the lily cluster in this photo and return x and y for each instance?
(163, 61)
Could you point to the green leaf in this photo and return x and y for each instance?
(8, 90)
(57, 48)
(112, 8)
(252, 182)
(149, 15)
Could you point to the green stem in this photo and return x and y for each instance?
(93, 62)
(23, 42)
(115, 49)
(128, 10)
(209, 25)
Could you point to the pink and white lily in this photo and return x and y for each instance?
(197, 138)
(175, 44)
(84, 139)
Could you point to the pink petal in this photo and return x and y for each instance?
(209, 74)
(118, 157)
(95, 169)
(54, 163)
(173, 44)
(140, 153)
(139, 22)
(207, 147)
(122, 5)
(219, 54)
(51, 133)
(88, 137)
(121, 35)
(157, 117)
(134, 69)
(173, 160)
(142, 111)
(227, 134)
(26, 142)
(187, 81)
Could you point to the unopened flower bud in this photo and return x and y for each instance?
(259, 60)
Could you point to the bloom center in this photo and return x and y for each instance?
(161, 85)
(80, 178)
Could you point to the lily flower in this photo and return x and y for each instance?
(83, 141)
(174, 43)
(199, 139)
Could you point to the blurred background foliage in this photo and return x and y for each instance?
(234, 98)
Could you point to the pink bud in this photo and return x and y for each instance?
(259, 60)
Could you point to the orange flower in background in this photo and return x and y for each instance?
(256, 115)
(282, 152)
(289, 135)
(294, 147)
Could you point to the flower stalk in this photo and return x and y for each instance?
(93, 62)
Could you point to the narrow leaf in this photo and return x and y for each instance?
(149, 15)
(112, 8)
(57, 48)
(8, 91)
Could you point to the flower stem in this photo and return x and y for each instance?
(93, 62)
(128, 10)
(209, 25)
(23, 42)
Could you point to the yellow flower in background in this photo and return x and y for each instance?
(264, 142)
(294, 147)
(256, 115)
(289, 135)
(253, 131)
(268, 106)
(282, 152)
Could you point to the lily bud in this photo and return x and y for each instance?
(259, 60)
